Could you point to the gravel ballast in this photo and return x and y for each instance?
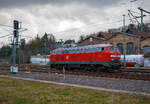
(108, 83)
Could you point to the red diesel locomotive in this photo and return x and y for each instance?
(91, 57)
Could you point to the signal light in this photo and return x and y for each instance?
(16, 24)
(15, 33)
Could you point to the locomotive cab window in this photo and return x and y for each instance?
(99, 49)
(93, 50)
(114, 49)
(103, 49)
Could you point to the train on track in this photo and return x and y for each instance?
(91, 57)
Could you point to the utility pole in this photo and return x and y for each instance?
(142, 15)
(14, 68)
(141, 27)
(134, 17)
(45, 46)
(20, 53)
(124, 49)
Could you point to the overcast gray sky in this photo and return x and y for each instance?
(66, 19)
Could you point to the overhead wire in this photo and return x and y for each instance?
(5, 36)
(93, 24)
(6, 25)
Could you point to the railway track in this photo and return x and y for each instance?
(139, 74)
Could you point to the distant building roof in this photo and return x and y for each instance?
(106, 35)
(141, 34)
(92, 36)
(91, 40)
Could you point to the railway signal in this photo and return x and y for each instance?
(15, 33)
(14, 68)
(16, 24)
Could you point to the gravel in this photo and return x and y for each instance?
(110, 83)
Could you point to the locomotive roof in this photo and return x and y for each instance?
(84, 47)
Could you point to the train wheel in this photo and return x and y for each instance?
(101, 69)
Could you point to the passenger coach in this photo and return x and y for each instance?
(91, 57)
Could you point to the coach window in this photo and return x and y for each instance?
(60, 52)
(94, 49)
(82, 50)
(90, 50)
(73, 51)
(66, 51)
(56, 52)
(78, 51)
(63, 52)
(99, 49)
(87, 50)
(70, 51)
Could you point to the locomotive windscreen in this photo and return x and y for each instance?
(114, 49)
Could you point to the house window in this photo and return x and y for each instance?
(130, 48)
(146, 49)
(120, 47)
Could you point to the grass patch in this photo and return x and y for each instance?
(13, 91)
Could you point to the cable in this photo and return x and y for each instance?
(135, 12)
(26, 36)
(6, 25)
(5, 36)
(93, 24)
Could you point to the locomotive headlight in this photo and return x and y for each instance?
(115, 56)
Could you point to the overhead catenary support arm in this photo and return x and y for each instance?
(142, 15)
(133, 16)
(130, 18)
(143, 10)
